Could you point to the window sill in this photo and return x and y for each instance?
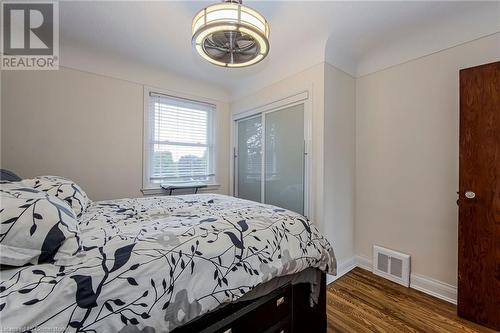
(159, 191)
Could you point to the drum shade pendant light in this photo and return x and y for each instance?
(230, 34)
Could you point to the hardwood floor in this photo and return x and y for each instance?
(363, 302)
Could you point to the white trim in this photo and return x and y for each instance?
(145, 140)
(364, 262)
(343, 267)
(433, 287)
(277, 104)
(308, 176)
(421, 283)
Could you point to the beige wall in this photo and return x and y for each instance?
(407, 157)
(402, 142)
(339, 162)
(83, 126)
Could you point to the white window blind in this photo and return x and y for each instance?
(180, 140)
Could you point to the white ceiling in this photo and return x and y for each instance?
(357, 37)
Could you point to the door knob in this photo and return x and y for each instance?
(470, 194)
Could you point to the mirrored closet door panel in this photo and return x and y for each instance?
(284, 158)
(272, 144)
(249, 158)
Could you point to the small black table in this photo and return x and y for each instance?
(181, 186)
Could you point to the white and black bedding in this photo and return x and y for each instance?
(153, 264)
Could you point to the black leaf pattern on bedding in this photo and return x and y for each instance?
(32, 301)
(243, 225)
(85, 297)
(51, 243)
(35, 227)
(154, 264)
(122, 255)
(27, 189)
(236, 241)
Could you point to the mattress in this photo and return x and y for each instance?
(153, 264)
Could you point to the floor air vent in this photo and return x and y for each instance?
(392, 265)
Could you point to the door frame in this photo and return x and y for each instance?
(301, 98)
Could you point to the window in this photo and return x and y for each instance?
(179, 140)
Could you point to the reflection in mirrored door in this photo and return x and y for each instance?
(284, 158)
(249, 158)
(272, 143)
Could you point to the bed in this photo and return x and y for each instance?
(191, 263)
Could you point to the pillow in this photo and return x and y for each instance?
(36, 227)
(62, 188)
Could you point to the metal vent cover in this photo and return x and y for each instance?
(392, 265)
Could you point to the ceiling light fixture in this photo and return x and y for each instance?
(230, 34)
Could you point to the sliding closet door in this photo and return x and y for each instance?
(249, 158)
(284, 158)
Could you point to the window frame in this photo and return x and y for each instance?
(147, 184)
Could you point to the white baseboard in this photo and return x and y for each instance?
(434, 287)
(364, 262)
(343, 267)
(422, 283)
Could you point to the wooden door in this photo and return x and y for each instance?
(479, 196)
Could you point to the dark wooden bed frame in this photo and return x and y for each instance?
(285, 310)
